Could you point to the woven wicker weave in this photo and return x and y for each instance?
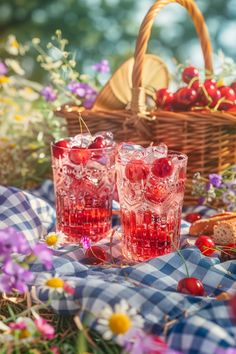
(209, 139)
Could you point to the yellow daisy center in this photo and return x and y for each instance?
(51, 240)
(119, 323)
(14, 43)
(55, 283)
(4, 79)
(18, 117)
(24, 333)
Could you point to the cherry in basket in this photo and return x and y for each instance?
(197, 95)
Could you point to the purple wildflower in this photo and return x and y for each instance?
(44, 255)
(15, 277)
(201, 200)
(3, 68)
(49, 94)
(215, 180)
(89, 101)
(12, 241)
(102, 67)
(78, 88)
(208, 186)
(84, 91)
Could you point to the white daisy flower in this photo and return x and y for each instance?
(28, 93)
(12, 45)
(55, 239)
(15, 66)
(117, 322)
(54, 284)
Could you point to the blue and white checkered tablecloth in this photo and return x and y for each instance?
(193, 324)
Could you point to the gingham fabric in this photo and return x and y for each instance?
(192, 324)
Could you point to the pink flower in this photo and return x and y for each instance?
(136, 341)
(54, 350)
(44, 328)
(17, 325)
(85, 242)
(68, 289)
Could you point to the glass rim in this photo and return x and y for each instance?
(173, 153)
(106, 148)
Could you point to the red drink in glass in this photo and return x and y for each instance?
(84, 180)
(151, 189)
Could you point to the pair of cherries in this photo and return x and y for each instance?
(79, 155)
(137, 170)
(197, 96)
(191, 285)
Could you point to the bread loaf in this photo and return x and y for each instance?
(206, 226)
(225, 232)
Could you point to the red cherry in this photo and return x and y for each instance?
(136, 170)
(229, 249)
(232, 109)
(164, 97)
(186, 96)
(176, 106)
(163, 236)
(162, 167)
(215, 96)
(79, 155)
(229, 95)
(209, 94)
(189, 73)
(210, 82)
(98, 143)
(191, 286)
(206, 245)
(156, 192)
(192, 217)
(196, 85)
(232, 303)
(233, 86)
(96, 255)
(59, 148)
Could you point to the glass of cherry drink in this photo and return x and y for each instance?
(150, 185)
(84, 180)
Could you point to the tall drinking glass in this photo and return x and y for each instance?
(84, 180)
(150, 185)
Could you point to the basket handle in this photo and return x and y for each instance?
(143, 37)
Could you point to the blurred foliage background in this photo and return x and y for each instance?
(100, 29)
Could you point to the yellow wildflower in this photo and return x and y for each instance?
(4, 80)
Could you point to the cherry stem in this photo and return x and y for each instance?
(181, 256)
(196, 78)
(184, 262)
(206, 94)
(223, 249)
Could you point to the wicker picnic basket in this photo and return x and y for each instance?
(209, 139)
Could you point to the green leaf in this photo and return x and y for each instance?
(81, 343)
